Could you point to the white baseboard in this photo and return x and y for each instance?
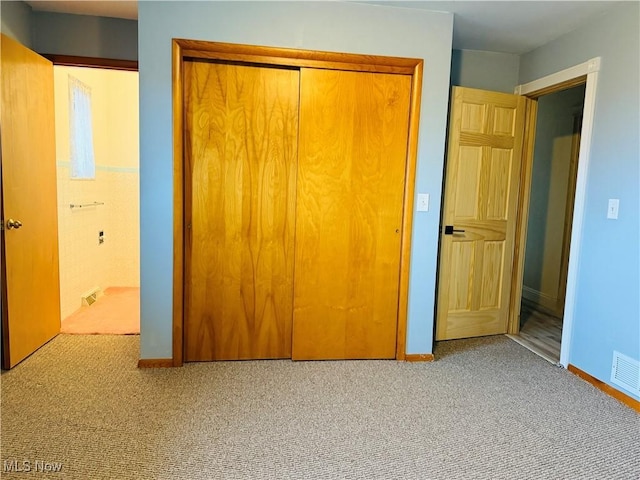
(546, 302)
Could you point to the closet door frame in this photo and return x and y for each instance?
(189, 49)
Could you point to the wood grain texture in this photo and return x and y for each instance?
(31, 303)
(540, 332)
(526, 170)
(241, 147)
(92, 62)
(481, 198)
(419, 357)
(178, 105)
(568, 214)
(407, 218)
(351, 175)
(155, 363)
(184, 49)
(573, 82)
(296, 57)
(617, 394)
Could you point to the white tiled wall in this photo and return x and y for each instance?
(84, 264)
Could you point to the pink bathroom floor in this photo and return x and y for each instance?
(117, 312)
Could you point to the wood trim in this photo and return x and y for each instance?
(178, 204)
(609, 390)
(568, 213)
(525, 196)
(407, 218)
(517, 275)
(559, 80)
(155, 363)
(286, 57)
(419, 357)
(290, 57)
(567, 84)
(92, 62)
(587, 73)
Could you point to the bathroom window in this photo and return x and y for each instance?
(83, 165)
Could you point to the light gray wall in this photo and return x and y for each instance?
(332, 26)
(550, 180)
(607, 310)
(484, 70)
(15, 21)
(85, 36)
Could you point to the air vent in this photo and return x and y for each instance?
(90, 297)
(625, 372)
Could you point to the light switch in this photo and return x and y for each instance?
(612, 210)
(423, 202)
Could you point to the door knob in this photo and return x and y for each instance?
(11, 223)
(449, 230)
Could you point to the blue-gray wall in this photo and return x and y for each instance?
(607, 313)
(485, 70)
(15, 21)
(85, 36)
(65, 34)
(333, 26)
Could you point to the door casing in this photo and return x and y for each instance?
(182, 49)
(586, 73)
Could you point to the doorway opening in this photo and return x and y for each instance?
(586, 75)
(97, 167)
(546, 258)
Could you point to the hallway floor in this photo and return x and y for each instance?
(539, 332)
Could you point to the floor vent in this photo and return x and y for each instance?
(90, 297)
(625, 372)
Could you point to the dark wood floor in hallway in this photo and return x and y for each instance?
(540, 333)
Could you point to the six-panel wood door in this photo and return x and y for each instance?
(351, 170)
(30, 283)
(241, 147)
(481, 193)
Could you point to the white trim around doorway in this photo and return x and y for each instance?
(589, 69)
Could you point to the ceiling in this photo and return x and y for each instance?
(118, 8)
(497, 26)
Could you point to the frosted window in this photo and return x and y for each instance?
(83, 165)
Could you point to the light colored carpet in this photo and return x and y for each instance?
(486, 409)
(117, 312)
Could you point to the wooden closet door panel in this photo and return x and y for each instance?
(351, 174)
(241, 147)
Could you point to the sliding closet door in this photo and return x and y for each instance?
(351, 175)
(240, 177)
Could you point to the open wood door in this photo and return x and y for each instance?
(480, 208)
(30, 282)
